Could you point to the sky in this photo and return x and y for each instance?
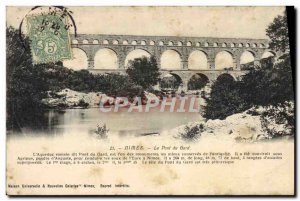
(224, 22)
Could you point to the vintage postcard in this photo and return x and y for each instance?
(150, 101)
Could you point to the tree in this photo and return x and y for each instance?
(278, 33)
(144, 72)
(170, 82)
(26, 84)
(268, 86)
(118, 85)
(225, 99)
(197, 82)
(282, 110)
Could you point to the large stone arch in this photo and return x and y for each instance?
(197, 81)
(136, 53)
(106, 58)
(171, 60)
(79, 60)
(198, 60)
(224, 60)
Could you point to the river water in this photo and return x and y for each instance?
(122, 123)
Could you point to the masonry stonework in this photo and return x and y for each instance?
(122, 45)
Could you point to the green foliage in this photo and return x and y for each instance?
(59, 77)
(81, 80)
(117, 85)
(144, 72)
(268, 86)
(191, 133)
(82, 104)
(248, 66)
(170, 83)
(278, 33)
(197, 82)
(225, 99)
(280, 114)
(102, 131)
(26, 84)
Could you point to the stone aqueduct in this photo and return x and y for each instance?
(122, 45)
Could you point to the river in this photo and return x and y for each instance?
(122, 123)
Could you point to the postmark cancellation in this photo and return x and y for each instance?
(49, 38)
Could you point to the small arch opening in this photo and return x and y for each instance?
(225, 78)
(268, 54)
(198, 81)
(170, 82)
(247, 60)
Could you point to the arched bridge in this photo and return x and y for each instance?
(187, 50)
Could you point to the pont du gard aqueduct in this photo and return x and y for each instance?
(181, 57)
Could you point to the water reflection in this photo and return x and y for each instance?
(123, 123)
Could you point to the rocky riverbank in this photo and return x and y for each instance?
(68, 98)
(247, 126)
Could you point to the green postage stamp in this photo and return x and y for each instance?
(49, 38)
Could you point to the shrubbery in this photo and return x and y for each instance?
(144, 72)
(197, 82)
(28, 84)
(259, 87)
(170, 83)
(270, 86)
(280, 114)
(225, 99)
(191, 133)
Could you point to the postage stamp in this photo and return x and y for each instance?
(49, 38)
